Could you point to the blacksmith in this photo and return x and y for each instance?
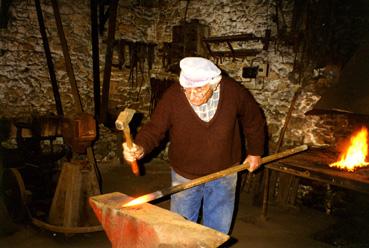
(203, 115)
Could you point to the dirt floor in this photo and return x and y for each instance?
(285, 227)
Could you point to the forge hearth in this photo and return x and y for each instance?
(314, 164)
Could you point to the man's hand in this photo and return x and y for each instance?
(134, 153)
(254, 162)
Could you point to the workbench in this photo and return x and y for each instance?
(313, 164)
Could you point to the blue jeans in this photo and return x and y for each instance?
(218, 198)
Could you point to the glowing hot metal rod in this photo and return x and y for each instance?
(180, 187)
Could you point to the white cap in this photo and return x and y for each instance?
(197, 72)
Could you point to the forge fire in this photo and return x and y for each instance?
(355, 153)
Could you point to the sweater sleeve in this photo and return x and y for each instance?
(153, 132)
(253, 123)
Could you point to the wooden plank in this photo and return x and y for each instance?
(294, 187)
(236, 53)
(57, 205)
(90, 187)
(77, 182)
(72, 204)
(240, 37)
(284, 181)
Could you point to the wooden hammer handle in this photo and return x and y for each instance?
(134, 166)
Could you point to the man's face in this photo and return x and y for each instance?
(199, 95)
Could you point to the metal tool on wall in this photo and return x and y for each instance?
(134, 55)
(142, 55)
(158, 87)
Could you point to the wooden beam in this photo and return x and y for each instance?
(240, 37)
(239, 53)
(67, 60)
(49, 60)
(95, 56)
(108, 62)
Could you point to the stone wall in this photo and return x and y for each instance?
(25, 88)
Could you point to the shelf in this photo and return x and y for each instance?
(240, 53)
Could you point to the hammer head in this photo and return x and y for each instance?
(124, 118)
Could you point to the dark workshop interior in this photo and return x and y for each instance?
(69, 69)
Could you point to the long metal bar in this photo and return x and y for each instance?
(49, 60)
(201, 180)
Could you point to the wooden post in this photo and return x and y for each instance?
(69, 207)
(95, 56)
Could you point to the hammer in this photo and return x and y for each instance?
(122, 124)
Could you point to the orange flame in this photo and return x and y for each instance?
(139, 200)
(355, 154)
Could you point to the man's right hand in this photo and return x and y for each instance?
(134, 153)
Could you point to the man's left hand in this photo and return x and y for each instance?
(254, 162)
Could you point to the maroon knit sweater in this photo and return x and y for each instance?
(196, 147)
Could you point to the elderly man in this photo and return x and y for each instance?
(203, 115)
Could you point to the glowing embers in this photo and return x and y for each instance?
(354, 155)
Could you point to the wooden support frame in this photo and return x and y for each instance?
(72, 191)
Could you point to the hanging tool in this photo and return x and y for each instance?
(122, 124)
(201, 180)
(142, 54)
